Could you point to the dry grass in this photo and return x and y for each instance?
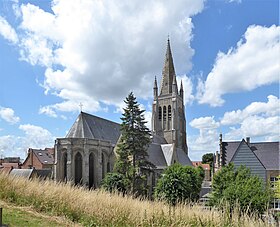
(98, 208)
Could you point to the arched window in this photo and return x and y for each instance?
(78, 168)
(169, 112)
(91, 170)
(164, 113)
(64, 161)
(108, 167)
(159, 113)
(103, 165)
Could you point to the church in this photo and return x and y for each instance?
(87, 153)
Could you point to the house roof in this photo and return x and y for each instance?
(161, 155)
(22, 173)
(267, 152)
(44, 156)
(93, 127)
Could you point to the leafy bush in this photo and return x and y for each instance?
(115, 182)
(238, 186)
(179, 184)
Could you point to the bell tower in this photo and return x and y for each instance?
(168, 116)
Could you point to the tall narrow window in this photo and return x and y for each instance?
(159, 113)
(65, 166)
(103, 166)
(91, 170)
(169, 112)
(164, 113)
(78, 168)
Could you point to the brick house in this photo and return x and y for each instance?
(39, 159)
(206, 168)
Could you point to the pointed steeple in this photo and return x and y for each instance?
(168, 72)
(155, 88)
(174, 86)
(182, 90)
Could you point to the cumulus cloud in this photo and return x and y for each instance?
(259, 120)
(204, 123)
(34, 137)
(8, 115)
(7, 31)
(271, 108)
(98, 51)
(253, 63)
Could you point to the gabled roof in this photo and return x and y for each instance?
(162, 155)
(267, 152)
(93, 127)
(44, 156)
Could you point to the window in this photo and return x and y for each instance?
(164, 113)
(169, 112)
(273, 181)
(159, 113)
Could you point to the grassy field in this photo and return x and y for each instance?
(98, 208)
(25, 216)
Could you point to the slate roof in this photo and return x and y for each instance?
(44, 156)
(161, 154)
(93, 127)
(183, 158)
(267, 152)
(26, 173)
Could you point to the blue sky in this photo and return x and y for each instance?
(57, 54)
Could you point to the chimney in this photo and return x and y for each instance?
(248, 140)
(222, 152)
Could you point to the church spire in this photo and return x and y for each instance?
(168, 72)
(182, 90)
(155, 88)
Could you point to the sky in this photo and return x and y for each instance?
(56, 54)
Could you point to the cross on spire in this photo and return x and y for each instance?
(81, 106)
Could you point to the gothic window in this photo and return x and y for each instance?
(169, 112)
(159, 113)
(103, 165)
(64, 161)
(164, 113)
(91, 170)
(108, 167)
(78, 168)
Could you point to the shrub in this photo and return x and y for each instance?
(115, 182)
(179, 184)
(237, 186)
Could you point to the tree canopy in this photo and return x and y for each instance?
(179, 184)
(238, 186)
(208, 159)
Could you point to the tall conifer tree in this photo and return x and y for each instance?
(132, 146)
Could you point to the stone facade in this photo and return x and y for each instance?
(168, 116)
(82, 160)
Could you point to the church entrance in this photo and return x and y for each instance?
(78, 168)
(91, 170)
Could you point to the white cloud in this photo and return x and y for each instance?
(271, 108)
(98, 51)
(204, 123)
(259, 120)
(34, 137)
(253, 63)
(7, 31)
(8, 115)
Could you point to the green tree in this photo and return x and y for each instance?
(238, 186)
(179, 184)
(132, 147)
(208, 159)
(115, 182)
